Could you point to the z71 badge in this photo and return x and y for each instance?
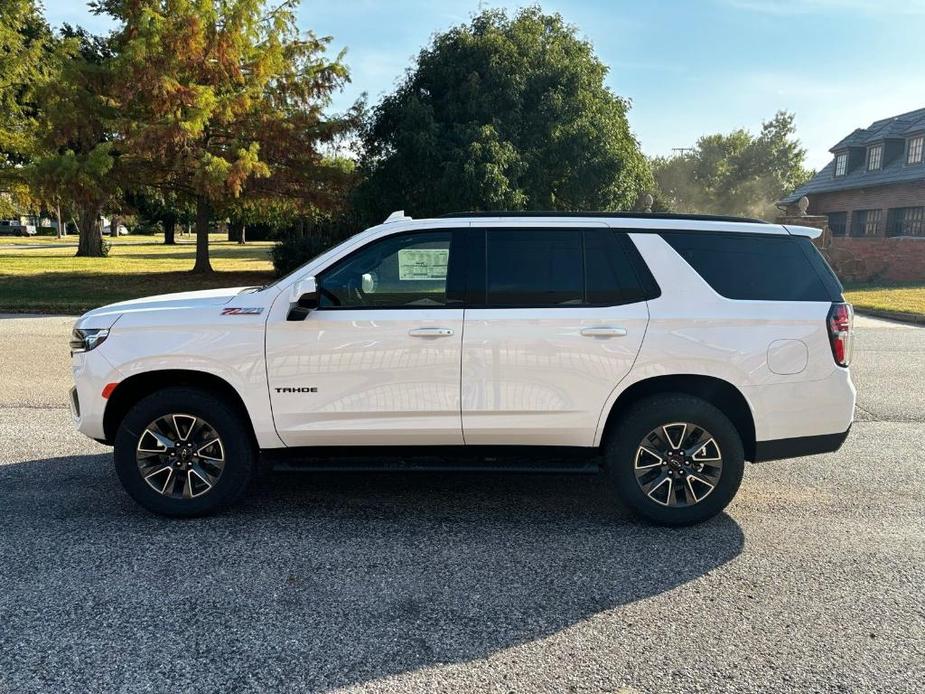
(251, 311)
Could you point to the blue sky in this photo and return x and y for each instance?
(690, 67)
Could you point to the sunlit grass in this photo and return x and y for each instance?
(908, 299)
(37, 277)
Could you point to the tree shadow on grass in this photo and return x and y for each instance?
(317, 580)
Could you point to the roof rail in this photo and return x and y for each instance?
(634, 215)
(397, 216)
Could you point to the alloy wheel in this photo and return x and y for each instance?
(180, 456)
(678, 464)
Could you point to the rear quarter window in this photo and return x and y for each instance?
(754, 266)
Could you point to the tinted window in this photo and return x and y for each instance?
(408, 270)
(534, 267)
(752, 266)
(559, 267)
(610, 276)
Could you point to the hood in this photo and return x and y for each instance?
(105, 316)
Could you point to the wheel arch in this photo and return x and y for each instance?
(140, 385)
(720, 393)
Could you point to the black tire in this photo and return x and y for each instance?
(238, 451)
(622, 444)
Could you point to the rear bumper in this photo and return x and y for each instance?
(777, 449)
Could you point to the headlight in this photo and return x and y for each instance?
(88, 338)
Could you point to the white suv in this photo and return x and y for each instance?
(666, 350)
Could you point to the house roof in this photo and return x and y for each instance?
(895, 171)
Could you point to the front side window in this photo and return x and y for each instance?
(402, 271)
(916, 146)
(841, 164)
(874, 157)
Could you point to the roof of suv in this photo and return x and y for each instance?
(626, 220)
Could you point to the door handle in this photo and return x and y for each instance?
(430, 332)
(603, 331)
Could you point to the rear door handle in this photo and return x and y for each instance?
(603, 331)
(430, 332)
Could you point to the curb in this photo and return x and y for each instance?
(909, 318)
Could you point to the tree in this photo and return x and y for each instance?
(502, 113)
(224, 99)
(74, 161)
(162, 206)
(737, 173)
(25, 40)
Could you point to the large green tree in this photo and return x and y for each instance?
(25, 40)
(506, 112)
(74, 157)
(25, 44)
(736, 173)
(224, 99)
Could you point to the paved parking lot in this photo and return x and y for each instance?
(813, 580)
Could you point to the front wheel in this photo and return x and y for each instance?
(675, 459)
(184, 452)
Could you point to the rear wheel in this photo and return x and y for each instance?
(675, 459)
(184, 452)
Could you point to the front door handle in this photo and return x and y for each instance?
(430, 332)
(603, 331)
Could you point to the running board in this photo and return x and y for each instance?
(454, 459)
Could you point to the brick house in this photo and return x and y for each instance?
(873, 195)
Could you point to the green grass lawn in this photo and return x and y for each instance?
(905, 299)
(41, 274)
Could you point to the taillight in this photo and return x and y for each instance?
(839, 323)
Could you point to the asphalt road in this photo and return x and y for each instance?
(813, 580)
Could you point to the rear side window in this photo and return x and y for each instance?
(753, 266)
(534, 267)
(543, 267)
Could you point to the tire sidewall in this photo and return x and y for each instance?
(238, 447)
(643, 417)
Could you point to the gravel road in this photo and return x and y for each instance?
(813, 580)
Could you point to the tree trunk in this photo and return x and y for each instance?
(61, 230)
(114, 226)
(242, 239)
(90, 244)
(203, 212)
(235, 231)
(170, 232)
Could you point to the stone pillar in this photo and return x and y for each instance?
(796, 214)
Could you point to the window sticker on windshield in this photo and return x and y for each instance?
(423, 263)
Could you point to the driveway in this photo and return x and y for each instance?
(813, 580)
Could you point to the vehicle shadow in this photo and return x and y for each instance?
(317, 580)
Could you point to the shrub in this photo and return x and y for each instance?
(298, 246)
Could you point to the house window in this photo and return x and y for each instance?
(866, 222)
(906, 221)
(874, 156)
(914, 154)
(841, 164)
(838, 223)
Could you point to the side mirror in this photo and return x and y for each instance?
(304, 294)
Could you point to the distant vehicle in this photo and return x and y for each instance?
(666, 350)
(14, 227)
(107, 230)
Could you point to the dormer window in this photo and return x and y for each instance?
(874, 157)
(914, 152)
(841, 164)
